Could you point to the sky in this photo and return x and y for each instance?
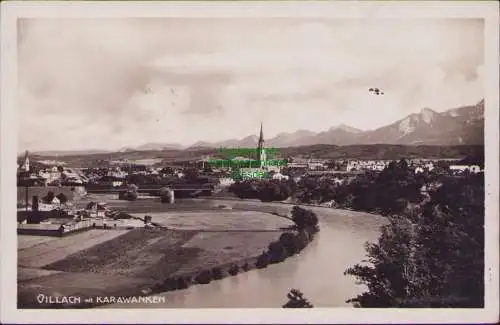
(114, 83)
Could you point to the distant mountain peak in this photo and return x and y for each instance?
(345, 128)
(406, 126)
(427, 115)
(427, 110)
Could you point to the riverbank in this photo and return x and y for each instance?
(318, 270)
(147, 261)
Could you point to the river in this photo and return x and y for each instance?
(317, 271)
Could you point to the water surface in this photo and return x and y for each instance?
(317, 271)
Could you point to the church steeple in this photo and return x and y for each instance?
(261, 137)
(261, 153)
(26, 164)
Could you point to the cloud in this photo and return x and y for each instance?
(124, 82)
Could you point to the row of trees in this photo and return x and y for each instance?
(431, 254)
(265, 190)
(291, 243)
(385, 192)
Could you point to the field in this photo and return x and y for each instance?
(30, 241)
(225, 247)
(116, 262)
(219, 221)
(48, 251)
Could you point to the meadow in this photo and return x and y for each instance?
(134, 262)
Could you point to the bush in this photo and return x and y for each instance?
(302, 239)
(132, 188)
(244, 190)
(62, 198)
(234, 269)
(169, 284)
(122, 215)
(277, 252)
(181, 283)
(296, 300)
(304, 218)
(204, 277)
(165, 195)
(216, 273)
(291, 243)
(128, 195)
(245, 267)
(49, 197)
(263, 261)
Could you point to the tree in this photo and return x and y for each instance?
(62, 198)
(49, 197)
(204, 277)
(296, 300)
(191, 175)
(432, 255)
(262, 261)
(166, 195)
(234, 269)
(269, 191)
(244, 190)
(304, 218)
(132, 187)
(277, 252)
(131, 194)
(216, 273)
(290, 242)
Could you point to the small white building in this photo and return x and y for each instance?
(226, 181)
(280, 176)
(55, 201)
(462, 168)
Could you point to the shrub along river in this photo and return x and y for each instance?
(318, 271)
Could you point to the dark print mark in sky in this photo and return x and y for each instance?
(376, 91)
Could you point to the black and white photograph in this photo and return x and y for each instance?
(206, 157)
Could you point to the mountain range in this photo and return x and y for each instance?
(457, 126)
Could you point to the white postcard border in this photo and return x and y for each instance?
(10, 11)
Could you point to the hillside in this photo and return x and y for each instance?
(378, 151)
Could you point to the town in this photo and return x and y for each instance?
(59, 185)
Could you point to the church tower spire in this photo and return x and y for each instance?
(261, 152)
(26, 164)
(261, 137)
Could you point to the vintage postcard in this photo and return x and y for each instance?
(249, 162)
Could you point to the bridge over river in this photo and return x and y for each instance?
(195, 189)
(318, 271)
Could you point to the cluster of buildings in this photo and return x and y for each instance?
(257, 166)
(363, 165)
(48, 175)
(55, 218)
